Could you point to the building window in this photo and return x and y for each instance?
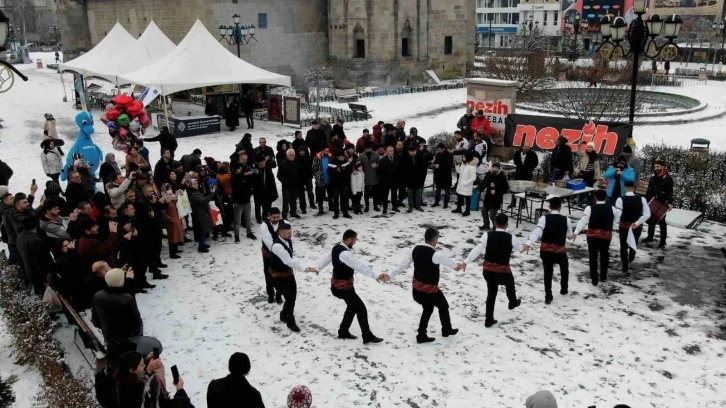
(261, 20)
(405, 39)
(39, 3)
(360, 42)
(404, 47)
(448, 45)
(480, 18)
(556, 18)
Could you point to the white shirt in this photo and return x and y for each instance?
(539, 229)
(481, 148)
(463, 144)
(280, 250)
(438, 258)
(646, 209)
(582, 224)
(265, 232)
(481, 247)
(351, 261)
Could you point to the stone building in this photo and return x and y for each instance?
(33, 17)
(400, 38)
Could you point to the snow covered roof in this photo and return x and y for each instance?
(156, 42)
(200, 60)
(118, 53)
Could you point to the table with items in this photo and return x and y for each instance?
(531, 194)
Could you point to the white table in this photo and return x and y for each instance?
(552, 192)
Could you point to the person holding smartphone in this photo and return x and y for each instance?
(140, 382)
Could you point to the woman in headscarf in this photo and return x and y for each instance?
(589, 167)
(174, 226)
(108, 167)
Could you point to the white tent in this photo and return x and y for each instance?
(200, 60)
(118, 53)
(156, 42)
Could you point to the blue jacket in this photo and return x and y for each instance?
(628, 175)
(326, 177)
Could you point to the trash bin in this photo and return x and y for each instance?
(474, 199)
(39, 64)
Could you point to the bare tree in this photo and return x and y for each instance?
(319, 77)
(696, 30)
(532, 70)
(20, 13)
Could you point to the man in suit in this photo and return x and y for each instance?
(234, 387)
(526, 161)
(264, 186)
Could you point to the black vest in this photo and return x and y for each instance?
(424, 268)
(276, 263)
(272, 232)
(499, 247)
(340, 269)
(555, 230)
(632, 208)
(601, 217)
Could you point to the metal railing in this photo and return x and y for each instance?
(680, 81)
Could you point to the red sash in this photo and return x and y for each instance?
(495, 267)
(627, 225)
(424, 287)
(281, 275)
(547, 247)
(342, 284)
(266, 253)
(599, 233)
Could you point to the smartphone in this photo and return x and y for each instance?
(33, 182)
(175, 374)
(155, 352)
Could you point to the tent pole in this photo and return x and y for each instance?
(166, 111)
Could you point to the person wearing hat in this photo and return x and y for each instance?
(465, 124)
(493, 186)
(51, 223)
(114, 311)
(166, 141)
(633, 161)
(35, 254)
(338, 130)
(234, 387)
(598, 219)
(635, 213)
(617, 175)
(481, 124)
(51, 158)
(660, 197)
(589, 168)
(389, 137)
(554, 228)
(541, 399)
(413, 139)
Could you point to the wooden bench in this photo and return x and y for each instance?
(89, 338)
(358, 108)
(346, 95)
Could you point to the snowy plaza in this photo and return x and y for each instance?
(655, 339)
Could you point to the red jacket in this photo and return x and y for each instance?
(483, 122)
(377, 134)
(93, 250)
(360, 145)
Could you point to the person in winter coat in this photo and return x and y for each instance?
(281, 156)
(465, 123)
(315, 138)
(5, 173)
(541, 399)
(140, 384)
(8, 233)
(633, 162)
(51, 223)
(480, 121)
(264, 186)
(133, 156)
(589, 169)
(235, 386)
(108, 168)
(617, 175)
(467, 177)
(340, 170)
(163, 167)
(91, 249)
(51, 158)
(170, 213)
(327, 129)
(231, 115)
(191, 161)
(305, 178)
(411, 164)
(35, 253)
(116, 189)
(75, 190)
(338, 130)
(357, 185)
(493, 186)
(49, 130)
(287, 173)
(378, 133)
(248, 108)
(245, 145)
(298, 141)
(443, 166)
(166, 140)
(370, 159)
(660, 188)
(242, 180)
(562, 160)
(526, 161)
(53, 193)
(361, 143)
(388, 179)
(201, 220)
(323, 190)
(114, 311)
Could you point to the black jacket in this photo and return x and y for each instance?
(104, 171)
(190, 162)
(232, 115)
(562, 159)
(338, 130)
(264, 151)
(413, 141)
(75, 194)
(526, 168)
(660, 188)
(442, 175)
(36, 258)
(387, 170)
(412, 170)
(242, 185)
(304, 168)
(161, 172)
(115, 312)
(264, 184)
(315, 140)
(496, 183)
(223, 391)
(166, 141)
(248, 105)
(5, 173)
(339, 172)
(298, 143)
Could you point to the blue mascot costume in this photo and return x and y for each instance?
(84, 145)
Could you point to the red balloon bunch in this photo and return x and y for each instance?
(126, 120)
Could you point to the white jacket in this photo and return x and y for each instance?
(357, 182)
(467, 177)
(52, 161)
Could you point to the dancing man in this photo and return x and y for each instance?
(599, 218)
(341, 285)
(268, 231)
(282, 265)
(554, 228)
(426, 271)
(635, 213)
(497, 247)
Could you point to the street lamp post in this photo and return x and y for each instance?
(237, 34)
(641, 37)
(490, 32)
(53, 29)
(721, 28)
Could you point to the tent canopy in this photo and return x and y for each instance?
(156, 42)
(200, 60)
(118, 53)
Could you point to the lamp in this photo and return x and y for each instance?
(617, 29)
(235, 18)
(639, 6)
(672, 25)
(655, 25)
(605, 22)
(244, 31)
(230, 30)
(4, 27)
(222, 30)
(252, 30)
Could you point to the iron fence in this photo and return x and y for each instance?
(680, 81)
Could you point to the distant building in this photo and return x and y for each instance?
(34, 18)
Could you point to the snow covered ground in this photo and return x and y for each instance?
(654, 340)
(29, 381)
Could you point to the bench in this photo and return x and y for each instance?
(87, 336)
(346, 95)
(357, 108)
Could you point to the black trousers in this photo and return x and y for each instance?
(429, 301)
(461, 199)
(370, 192)
(599, 250)
(383, 191)
(339, 200)
(625, 251)
(287, 287)
(306, 186)
(269, 284)
(354, 308)
(262, 205)
(549, 259)
(321, 195)
(494, 280)
(289, 201)
(250, 119)
(402, 193)
(663, 230)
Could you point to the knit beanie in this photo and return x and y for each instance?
(541, 399)
(52, 188)
(115, 278)
(239, 364)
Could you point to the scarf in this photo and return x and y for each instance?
(663, 173)
(112, 163)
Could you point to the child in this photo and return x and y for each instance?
(357, 184)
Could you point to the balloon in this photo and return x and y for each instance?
(135, 108)
(122, 101)
(109, 106)
(104, 118)
(123, 120)
(120, 144)
(135, 125)
(113, 114)
(145, 122)
(122, 132)
(112, 125)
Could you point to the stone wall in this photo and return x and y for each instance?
(74, 30)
